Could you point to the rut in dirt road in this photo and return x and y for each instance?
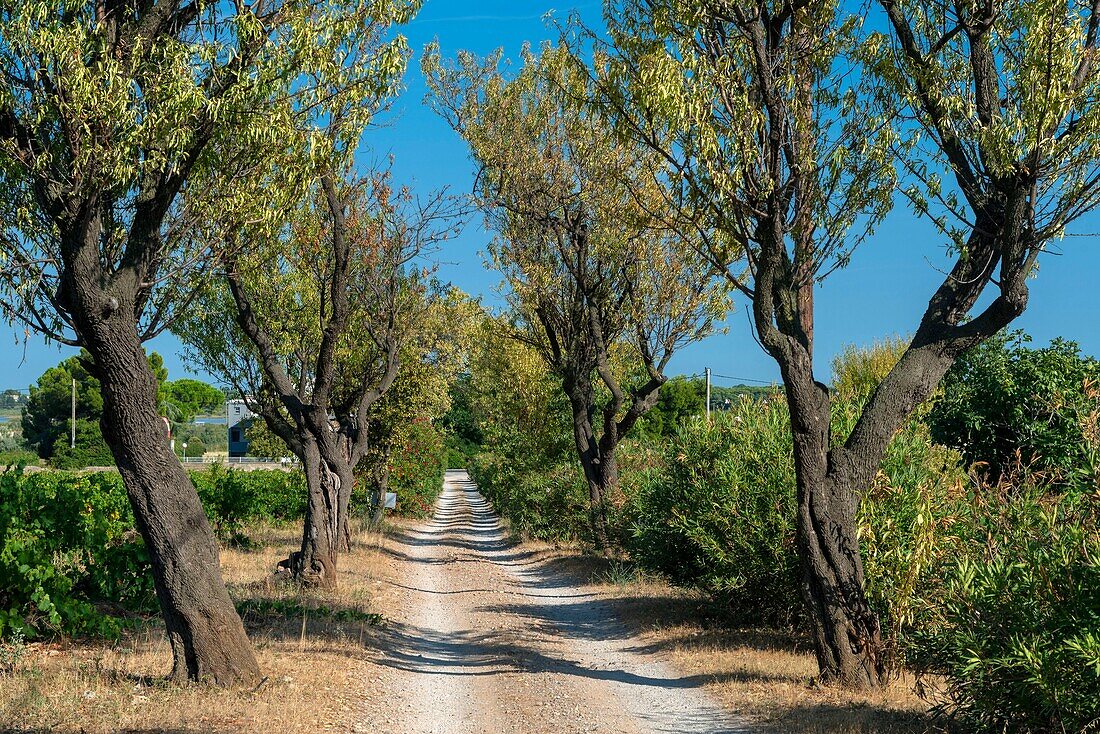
(491, 640)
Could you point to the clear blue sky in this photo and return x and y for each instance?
(883, 292)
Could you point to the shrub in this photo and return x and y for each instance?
(417, 464)
(678, 400)
(903, 518)
(196, 447)
(721, 513)
(233, 499)
(17, 457)
(90, 449)
(1004, 401)
(66, 542)
(1015, 632)
(543, 502)
(857, 371)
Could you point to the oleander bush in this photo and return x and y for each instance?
(718, 513)
(541, 502)
(1006, 404)
(1012, 637)
(417, 464)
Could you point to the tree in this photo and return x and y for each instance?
(10, 399)
(421, 396)
(595, 281)
(680, 398)
(47, 411)
(520, 409)
(324, 307)
(464, 435)
(89, 450)
(108, 111)
(194, 397)
(1005, 403)
(783, 163)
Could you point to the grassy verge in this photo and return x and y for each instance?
(313, 648)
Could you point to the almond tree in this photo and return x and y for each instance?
(326, 307)
(596, 284)
(108, 112)
(781, 152)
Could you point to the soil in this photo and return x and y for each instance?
(485, 637)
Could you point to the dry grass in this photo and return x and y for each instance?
(314, 681)
(765, 675)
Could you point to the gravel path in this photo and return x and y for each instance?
(483, 639)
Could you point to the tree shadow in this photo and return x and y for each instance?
(427, 651)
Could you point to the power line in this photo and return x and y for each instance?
(743, 379)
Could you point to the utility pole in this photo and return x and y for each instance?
(708, 393)
(72, 421)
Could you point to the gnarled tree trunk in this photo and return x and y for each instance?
(602, 475)
(207, 638)
(846, 631)
(325, 530)
(315, 562)
(599, 468)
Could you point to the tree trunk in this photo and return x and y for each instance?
(601, 472)
(315, 563)
(378, 494)
(846, 631)
(598, 468)
(341, 464)
(207, 638)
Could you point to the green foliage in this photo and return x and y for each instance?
(464, 436)
(195, 447)
(679, 399)
(90, 448)
(66, 542)
(1004, 402)
(194, 397)
(539, 501)
(902, 521)
(720, 513)
(200, 437)
(524, 467)
(416, 468)
(234, 499)
(1015, 631)
(17, 457)
(857, 371)
(48, 410)
(262, 442)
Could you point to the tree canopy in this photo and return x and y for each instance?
(47, 410)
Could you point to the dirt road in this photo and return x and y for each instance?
(484, 639)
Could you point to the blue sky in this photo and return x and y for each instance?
(882, 293)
